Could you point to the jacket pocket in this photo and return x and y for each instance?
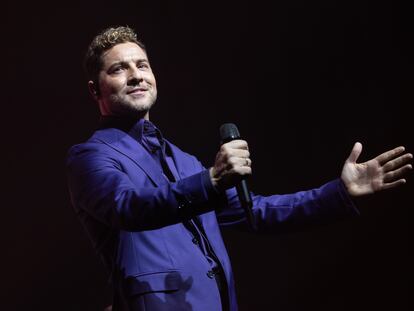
(165, 281)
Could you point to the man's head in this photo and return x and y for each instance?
(119, 73)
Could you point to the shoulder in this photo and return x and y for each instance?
(88, 154)
(98, 142)
(93, 148)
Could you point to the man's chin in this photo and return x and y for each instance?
(135, 110)
(131, 108)
(142, 104)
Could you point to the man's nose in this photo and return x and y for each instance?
(135, 76)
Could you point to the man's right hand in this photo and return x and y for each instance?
(232, 164)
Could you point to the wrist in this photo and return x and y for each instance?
(213, 179)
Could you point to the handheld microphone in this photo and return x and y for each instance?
(229, 132)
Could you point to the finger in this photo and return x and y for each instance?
(394, 184)
(246, 162)
(239, 153)
(389, 155)
(237, 144)
(356, 151)
(393, 175)
(244, 171)
(398, 162)
(235, 162)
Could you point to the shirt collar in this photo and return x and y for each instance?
(136, 128)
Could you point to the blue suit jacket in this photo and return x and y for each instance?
(134, 216)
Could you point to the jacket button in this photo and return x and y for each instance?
(210, 274)
(195, 241)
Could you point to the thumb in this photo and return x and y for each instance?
(356, 151)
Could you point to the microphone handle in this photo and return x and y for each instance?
(246, 203)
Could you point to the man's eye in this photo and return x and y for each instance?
(143, 66)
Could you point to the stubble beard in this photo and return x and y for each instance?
(127, 107)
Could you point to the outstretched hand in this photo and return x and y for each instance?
(382, 172)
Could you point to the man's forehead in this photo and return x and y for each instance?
(124, 52)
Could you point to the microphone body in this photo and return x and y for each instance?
(229, 132)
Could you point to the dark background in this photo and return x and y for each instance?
(303, 80)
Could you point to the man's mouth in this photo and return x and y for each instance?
(137, 91)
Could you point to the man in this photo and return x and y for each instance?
(153, 212)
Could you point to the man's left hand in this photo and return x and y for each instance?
(385, 171)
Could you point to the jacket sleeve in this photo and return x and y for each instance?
(99, 187)
(279, 213)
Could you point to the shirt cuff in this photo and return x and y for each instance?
(196, 194)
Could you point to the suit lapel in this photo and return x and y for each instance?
(128, 146)
(182, 161)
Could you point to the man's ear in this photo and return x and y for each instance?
(93, 90)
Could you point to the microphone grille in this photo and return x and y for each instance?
(228, 132)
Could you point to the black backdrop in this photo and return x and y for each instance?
(303, 80)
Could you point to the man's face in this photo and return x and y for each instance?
(127, 86)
